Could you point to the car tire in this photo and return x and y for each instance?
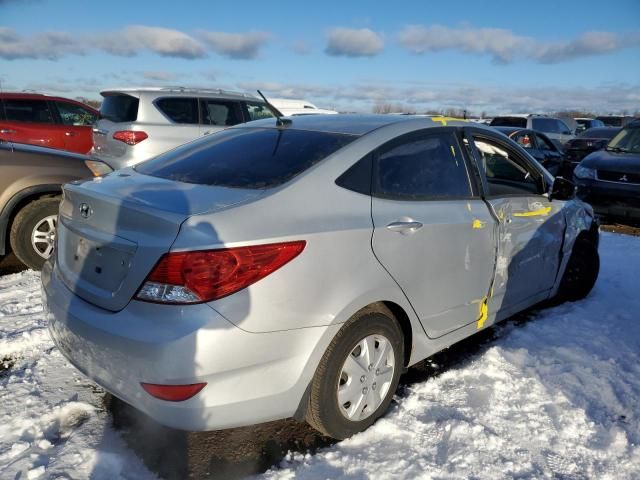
(348, 392)
(581, 272)
(30, 230)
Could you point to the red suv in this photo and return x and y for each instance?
(46, 121)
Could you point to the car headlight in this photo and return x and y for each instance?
(584, 172)
(98, 168)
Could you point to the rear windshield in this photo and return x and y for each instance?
(599, 133)
(246, 158)
(509, 122)
(119, 108)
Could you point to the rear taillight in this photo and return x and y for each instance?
(206, 275)
(173, 393)
(130, 137)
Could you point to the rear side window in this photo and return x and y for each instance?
(72, 114)
(421, 167)
(509, 122)
(220, 113)
(119, 108)
(246, 158)
(31, 111)
(179, 109)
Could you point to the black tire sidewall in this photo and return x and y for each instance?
(334, 422)
(22, 228)
(586, 253)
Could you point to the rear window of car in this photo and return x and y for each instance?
(119, 108)
(246, 158)
(548, 125)
(599, 133)
(509, 122)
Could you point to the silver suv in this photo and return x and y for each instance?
(554, 128)
(139, 123)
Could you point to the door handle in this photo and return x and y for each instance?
(7, 130)
(208, 132)
(70, 134)
(404, 227)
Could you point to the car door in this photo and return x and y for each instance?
(432, 231)
(218, 114)
(30, 121)
(530, 227)
(77, 123)
(183, 115)
(552, 157)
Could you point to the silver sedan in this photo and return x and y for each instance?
(295, 269)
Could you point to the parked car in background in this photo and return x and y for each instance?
(609, 179)
(175, 298)
(587, 142)
(539, 146)
(30, 192)
(289, 106)
(615, 120)
(139, 123)
(584, 124)
(554, 128)
(46, 121)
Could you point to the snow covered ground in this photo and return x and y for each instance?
(555, 397)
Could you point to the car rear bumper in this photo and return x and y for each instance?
(251, 378)
(611, 198)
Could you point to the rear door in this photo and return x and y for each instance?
(531, 227)
(77, 124)
(30, 121)
(184, 122)
(432, 232)
(218, 114)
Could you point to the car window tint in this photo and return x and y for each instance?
(544, 143)
(254, 158)
(32, 111)
(524, 139)
(119, 108)
(179, 109)
(72, 114)
(220, 113)
(509, 122)
(548, 125)
(257, 111)
(506, 174)
(427, 166)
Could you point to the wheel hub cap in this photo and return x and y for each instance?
(366, 377)
(43, 236)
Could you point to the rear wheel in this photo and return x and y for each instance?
(581, 273)
(33, 232)
(358, 374)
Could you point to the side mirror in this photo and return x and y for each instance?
(562, 189)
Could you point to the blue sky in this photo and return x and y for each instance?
(485, 56)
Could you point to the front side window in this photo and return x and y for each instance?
(421, 167)
(544, 143)
(179, 109)
(524, 139)
(30, 111)
(72, 114)
(257, 111)
(220, 113)
(505, 172)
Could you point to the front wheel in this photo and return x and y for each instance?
(33, 232)
(358, 374)
(581, 273)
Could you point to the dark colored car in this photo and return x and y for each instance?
(30, 191)
(615, 120)
(587, 142)
(46, 121)
(609, 179)
(539, 146)
(583, 124)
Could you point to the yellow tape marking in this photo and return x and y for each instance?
(534, 213)
(444, 120)
(477, 224)
(484, 313)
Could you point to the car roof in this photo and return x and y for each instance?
(181, 91)
(355, 124)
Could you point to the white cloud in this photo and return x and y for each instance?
(506, 47)
(350, 42)
(236, 45)
(46, 45)
(160, 76)
(163, 41)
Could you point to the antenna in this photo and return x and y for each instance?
(280, 122)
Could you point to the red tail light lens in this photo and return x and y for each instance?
(173, 393)
(206, 275)
(130, 137)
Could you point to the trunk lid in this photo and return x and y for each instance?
(114, 229)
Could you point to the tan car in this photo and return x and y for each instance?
(31, 181)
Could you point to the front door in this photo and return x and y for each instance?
(530, 228)
(432, 233)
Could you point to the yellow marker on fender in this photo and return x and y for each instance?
(477, 224)
(534, 213)
(484, 313)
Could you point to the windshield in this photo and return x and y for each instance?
(246, 157)
(627, 141)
